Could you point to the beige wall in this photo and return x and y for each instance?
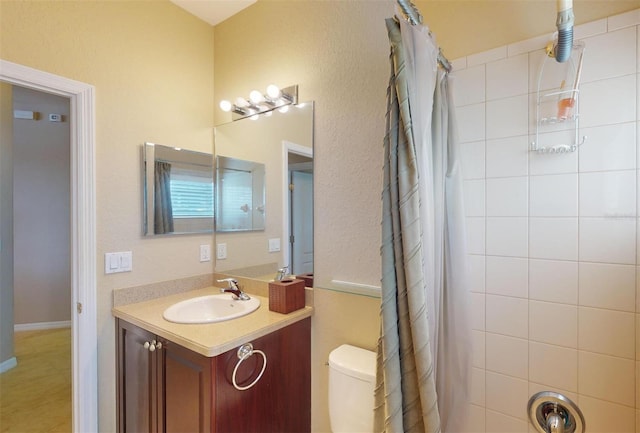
(6, 224)
(152, 66)
(41, 201)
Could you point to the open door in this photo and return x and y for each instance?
(301, 217)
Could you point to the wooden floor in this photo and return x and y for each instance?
(35, 396)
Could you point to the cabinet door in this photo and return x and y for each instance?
(137, 371)
(281, 400)
(186, 390)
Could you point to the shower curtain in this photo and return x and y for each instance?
(423, 361)
(162, 207)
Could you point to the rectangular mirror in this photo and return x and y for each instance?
(177, 191)
(282, 141)
(240, 201)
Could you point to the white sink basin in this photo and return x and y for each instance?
(210, 309)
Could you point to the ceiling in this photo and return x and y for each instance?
(213, 11)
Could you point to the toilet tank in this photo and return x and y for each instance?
(352, 379)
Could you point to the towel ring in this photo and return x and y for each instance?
(244, 352)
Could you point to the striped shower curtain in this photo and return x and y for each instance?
(422, 361)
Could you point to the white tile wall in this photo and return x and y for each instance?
(610, 147)
(468, 86)
(506, 316)
(507, 236)
(471, 124)
(507, 276)
(504, 78)
(608, 240)
(472, 159)
(507, 197)
(474, 200)
(617, 387)
(553, 281)
(554, 195)
(610, 55)
(608, 286)
(609, 101)
(605, 416)
(597, 326)
(553, 366)
(554, 239)
(500, 423)
(499, 384)
(553, 323)
(507, 355)
(508, 117)
(608, 194)
(507, 157)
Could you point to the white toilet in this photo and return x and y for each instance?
(352, 379)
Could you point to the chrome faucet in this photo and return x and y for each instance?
(282, 273)
(234, 289)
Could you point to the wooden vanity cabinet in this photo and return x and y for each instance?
(173, 389)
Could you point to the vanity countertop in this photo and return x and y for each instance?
(209, 339)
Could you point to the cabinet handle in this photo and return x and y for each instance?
(151, 347)
(245, 351)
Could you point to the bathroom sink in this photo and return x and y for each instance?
(210, 309)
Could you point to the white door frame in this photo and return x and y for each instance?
(84, 376)
(288, 147)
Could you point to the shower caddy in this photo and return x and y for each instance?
(560, 105)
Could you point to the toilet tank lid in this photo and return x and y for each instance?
(354, 361)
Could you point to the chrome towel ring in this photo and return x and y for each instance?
(245, 351)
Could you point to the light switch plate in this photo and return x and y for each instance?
(118, 262)
(274, 245)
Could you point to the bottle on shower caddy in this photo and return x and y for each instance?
(566, 102)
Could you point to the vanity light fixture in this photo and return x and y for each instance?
(259, 103)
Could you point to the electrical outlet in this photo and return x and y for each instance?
(221, 251)
(205, 253)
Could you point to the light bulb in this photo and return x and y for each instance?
(241, 102)
(225, 106)
(273, 91)
(283, 109)
(254, 117)
(256, 97)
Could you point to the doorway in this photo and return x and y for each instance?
(297, 208)
(40, 167)
(301, 217)
(83, 244)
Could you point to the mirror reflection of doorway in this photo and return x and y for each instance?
(301, 213)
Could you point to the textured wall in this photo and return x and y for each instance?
(553, 237)
(152, 66)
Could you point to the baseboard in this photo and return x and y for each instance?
(8, 364)
(39, 326)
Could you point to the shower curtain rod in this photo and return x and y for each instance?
(415, 17)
